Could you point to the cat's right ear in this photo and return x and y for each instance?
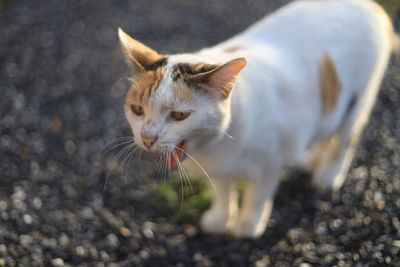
(138, 55)
(221, 79)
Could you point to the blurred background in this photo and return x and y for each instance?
(66, 199)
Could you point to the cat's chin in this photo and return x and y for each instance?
(179, 154)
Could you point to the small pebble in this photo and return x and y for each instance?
(27, 219)
(3, 250)
(80, 251)
(37, 203)
(57, 262)
(197, 256)
(191, 230)
(206, 263)
(125, 232)
(112, 240)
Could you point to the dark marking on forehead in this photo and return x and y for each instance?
(158, 64)
(180, 70)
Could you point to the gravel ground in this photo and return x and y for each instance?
(60, 70)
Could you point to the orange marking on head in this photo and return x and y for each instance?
(330, 85)
(158, 75)
(146, 83)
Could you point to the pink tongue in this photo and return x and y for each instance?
(172, 160)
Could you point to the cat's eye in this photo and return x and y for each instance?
(138, 110)
(179, 116)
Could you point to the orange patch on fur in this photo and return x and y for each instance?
(330, 85)
(145, 84)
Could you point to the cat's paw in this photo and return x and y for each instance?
(246, 229)
(214, 222)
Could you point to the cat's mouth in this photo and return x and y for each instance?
(177, 155)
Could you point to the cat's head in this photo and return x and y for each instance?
(178, 102)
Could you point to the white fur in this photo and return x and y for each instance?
(274, 112)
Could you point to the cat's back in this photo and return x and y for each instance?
(313, 23)
(285, 50)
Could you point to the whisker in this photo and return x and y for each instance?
(140, 155)
(157, 167)
(164, 167)
(133, 83)
(184, 173)
(129, 79)
(115, 146)
(117, 139)
(180, 177)
(201, 168)
(167, 167)
(226, 134)
(177, 163)
(188, 178)
(159, 170)
(115, 160)
(129, 154)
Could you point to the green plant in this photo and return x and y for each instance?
(182, 202)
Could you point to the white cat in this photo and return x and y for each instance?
(309, 74)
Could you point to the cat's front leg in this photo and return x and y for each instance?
(256, 207)
(222, 215)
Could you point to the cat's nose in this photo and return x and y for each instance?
(149, 140)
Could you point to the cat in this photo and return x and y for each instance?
(296, 88)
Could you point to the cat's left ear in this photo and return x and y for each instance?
(222, 79)
(139, 55)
